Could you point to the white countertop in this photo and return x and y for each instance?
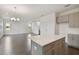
(73, 33)
(46, 40)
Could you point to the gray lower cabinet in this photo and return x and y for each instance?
(73, 40)
(74, 20)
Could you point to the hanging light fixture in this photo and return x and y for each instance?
(15, 18)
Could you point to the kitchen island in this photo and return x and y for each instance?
(47, 45)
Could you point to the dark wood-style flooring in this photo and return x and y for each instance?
(20, 45)
(15, 45)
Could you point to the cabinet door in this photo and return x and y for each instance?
(62, 19)
(74, 20)
(73, 40)
(71, 20)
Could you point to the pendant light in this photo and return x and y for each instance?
(15, 18)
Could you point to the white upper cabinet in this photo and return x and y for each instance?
(62, 19)
(74, 20)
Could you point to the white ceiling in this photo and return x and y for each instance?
(31, 11)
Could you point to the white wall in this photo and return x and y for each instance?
(17, 27)
(63, 28)
(1, 28)
(47, 27)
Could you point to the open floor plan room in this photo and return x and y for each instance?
(39, 29)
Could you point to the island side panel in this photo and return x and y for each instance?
(55, 48)
(36, 49)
